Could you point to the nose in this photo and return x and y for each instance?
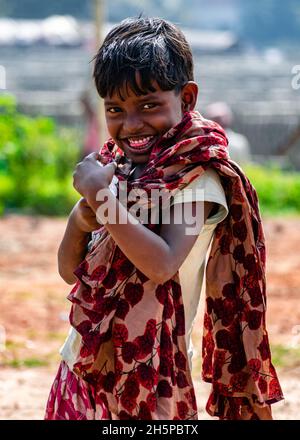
(133, 124)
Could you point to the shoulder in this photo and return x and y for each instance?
(205, 188)
(201, 189)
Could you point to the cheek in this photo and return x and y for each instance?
(112, 126)
(169, 116)
(108, 121)
(172, 116)
(177, 109)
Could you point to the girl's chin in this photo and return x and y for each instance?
(137, 157)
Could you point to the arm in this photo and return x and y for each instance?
(157, 256)
(72, 249)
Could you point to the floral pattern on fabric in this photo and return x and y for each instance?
(71, 398)
(133, 348)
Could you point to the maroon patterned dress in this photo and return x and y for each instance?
(132, 362)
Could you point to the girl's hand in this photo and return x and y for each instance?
(89, 176)
(83, 217)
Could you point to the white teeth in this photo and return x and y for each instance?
(139, 141)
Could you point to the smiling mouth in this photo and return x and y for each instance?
(140, 144)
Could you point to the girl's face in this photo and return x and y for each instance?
(136, 122)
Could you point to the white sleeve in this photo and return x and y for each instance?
(206, 187)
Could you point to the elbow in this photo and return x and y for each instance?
(70, 281)
(162, 274)
(164, 278)
(65, 272)
(160, 280)
(68, 278)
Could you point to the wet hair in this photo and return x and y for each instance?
(152, 47)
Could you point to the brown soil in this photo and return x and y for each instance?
(34, 313)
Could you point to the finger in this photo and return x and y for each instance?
(96, 157)
(103, 159)
(91, 156)
(112, 164)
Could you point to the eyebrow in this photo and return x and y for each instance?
(142, 98)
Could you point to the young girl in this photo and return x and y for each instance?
(137, 276)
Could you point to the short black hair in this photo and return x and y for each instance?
(154, 47)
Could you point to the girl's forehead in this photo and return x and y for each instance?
(132, 86)
(125, 92)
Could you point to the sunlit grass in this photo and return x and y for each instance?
(283, 356)
(24, 353)
(24, 295)
(56, 336)
(14, 345)
(28, 363)
(17, 360)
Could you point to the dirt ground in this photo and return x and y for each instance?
(34, 312)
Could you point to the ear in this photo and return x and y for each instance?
(189, 95)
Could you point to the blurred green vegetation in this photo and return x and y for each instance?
(278, 191)
(29, 363)
(283, 356)
(37, 160)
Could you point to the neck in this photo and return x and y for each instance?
(137, 169)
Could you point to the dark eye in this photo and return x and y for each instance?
(113, 109)
(148, 106)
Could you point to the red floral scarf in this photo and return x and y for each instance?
(133, 347)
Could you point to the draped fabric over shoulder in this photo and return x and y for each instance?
(133, 346)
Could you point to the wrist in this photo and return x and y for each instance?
(93, 185)
(96, 197)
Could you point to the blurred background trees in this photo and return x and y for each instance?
(36, 160)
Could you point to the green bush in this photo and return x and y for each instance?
(36, 162)
(278, 191)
